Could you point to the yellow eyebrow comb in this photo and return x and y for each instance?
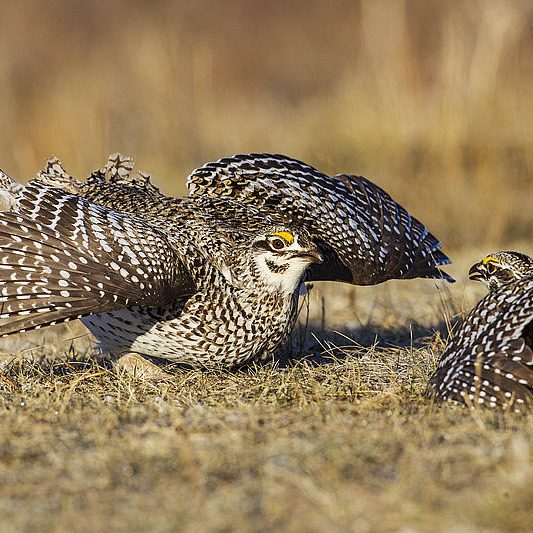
(285, 235)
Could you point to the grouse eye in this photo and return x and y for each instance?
(491, 268)
(277, 243)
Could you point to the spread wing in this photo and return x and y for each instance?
(63, 257)
(489, 361)
(365, 236)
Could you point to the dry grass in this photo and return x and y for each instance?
(336, 438)
(301, 448)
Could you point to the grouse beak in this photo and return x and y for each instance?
(475, 273)
(312, 256)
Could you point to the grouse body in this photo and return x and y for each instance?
(208, 280)
(489, 360)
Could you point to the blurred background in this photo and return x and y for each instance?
(432, 100)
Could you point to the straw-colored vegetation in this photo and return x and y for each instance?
(434, 101)
(301, 448)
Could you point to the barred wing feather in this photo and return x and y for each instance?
(489, 361)
(365, 236)
(62, 257)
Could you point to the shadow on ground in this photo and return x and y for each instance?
(311, 341)
(321, 346)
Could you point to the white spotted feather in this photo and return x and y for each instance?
(489, 360)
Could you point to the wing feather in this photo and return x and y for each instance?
(63, 257)
(490, 358)
(365, 236)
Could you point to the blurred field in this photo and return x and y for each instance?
(434, 100)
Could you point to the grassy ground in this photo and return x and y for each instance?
(337, 438)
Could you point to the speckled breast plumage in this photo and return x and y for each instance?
(216, 326)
